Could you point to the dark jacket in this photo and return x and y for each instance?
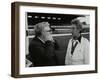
(42, 54)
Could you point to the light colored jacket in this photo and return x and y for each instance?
(80, 54)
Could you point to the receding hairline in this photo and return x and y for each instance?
(77, 23)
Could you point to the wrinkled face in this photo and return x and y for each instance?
(75, 31)
(46, 30)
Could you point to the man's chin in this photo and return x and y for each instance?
(74, 37)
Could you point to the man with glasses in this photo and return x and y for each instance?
(42, 47)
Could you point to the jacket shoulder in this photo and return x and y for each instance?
(34, 42)
(85, 41)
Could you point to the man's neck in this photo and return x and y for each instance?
(78, 38)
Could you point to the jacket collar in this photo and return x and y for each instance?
(39, 39)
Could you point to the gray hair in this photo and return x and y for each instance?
(39, 27)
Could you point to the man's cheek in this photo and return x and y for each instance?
(48, 34)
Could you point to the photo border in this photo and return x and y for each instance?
(15, 32)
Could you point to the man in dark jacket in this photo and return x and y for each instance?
(42, 47)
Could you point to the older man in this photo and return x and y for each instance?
(42, 47)
(78, 47)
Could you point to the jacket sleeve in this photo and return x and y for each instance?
(86, 52)
(68, 52)
(50, 47)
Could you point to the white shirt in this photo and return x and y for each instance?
(80, 54)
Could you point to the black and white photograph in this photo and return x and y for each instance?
(57, 39)
(51, 39)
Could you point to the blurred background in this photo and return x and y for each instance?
(61, 26)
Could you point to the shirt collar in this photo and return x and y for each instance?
(78, 39)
